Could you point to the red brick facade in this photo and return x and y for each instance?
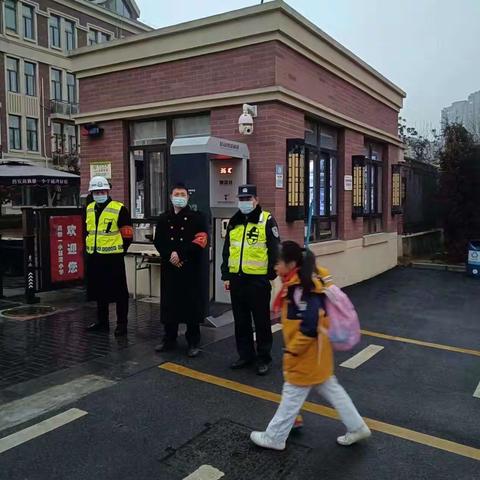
(275, 64)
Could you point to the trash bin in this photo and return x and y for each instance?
(473, 264)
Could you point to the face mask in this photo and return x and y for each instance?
(180, 202)
(246, 206)
(100, 198)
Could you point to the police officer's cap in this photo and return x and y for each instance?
(247, 190)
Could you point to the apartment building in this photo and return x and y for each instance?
(39, 91)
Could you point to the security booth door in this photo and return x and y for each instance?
(212, 168)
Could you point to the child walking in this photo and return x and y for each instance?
(308, 355)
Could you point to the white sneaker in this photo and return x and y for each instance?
(261, 439)
(353, 437)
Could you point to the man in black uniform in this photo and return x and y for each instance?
(181, 239)
(109, 234)
(249, 256)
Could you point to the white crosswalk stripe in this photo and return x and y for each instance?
(39, 429)
(362, 356)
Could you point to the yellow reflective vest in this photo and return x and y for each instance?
(248, 247)
(106, 238)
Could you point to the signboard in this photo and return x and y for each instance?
(348, 183)
(278, 176)
(66, 248)
(103, 169)
(474, 257)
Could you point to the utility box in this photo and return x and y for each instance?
(473, 263)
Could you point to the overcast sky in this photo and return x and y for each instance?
(429, 48)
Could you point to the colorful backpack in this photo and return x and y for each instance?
(344, 330)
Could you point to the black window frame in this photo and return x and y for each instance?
(56, 86)
(71, 88)
(326, 221)
(28, 20)
(70, 35)
(30, 79)
(15, 133)
(32, 135)
(54, 31)
(373, 190)
(13, 76)
(329, 216)
(147, 151)
(11, 6)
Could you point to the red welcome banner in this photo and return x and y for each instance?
(66, 248)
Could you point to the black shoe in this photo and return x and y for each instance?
(121, 331)
(98, 327)
(263, 368)
(165, 346)
(240, 363)
(193, 352)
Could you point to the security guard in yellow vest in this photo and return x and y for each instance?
(109, 234)
(249, 256)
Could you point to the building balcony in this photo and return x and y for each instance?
(63, 110)
(67, 162)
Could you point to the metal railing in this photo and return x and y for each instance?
(60, 107)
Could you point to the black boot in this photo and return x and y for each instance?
(121, 330)
(166, 346)
(98, 327)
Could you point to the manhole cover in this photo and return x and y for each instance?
(27, 312)
(226, 446)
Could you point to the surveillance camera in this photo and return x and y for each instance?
(245, 124)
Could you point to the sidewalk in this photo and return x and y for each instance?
(33, 348)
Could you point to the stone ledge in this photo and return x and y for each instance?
(375, 239)
(328, 248)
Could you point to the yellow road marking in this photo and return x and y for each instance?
(421, 343)
(400, 432)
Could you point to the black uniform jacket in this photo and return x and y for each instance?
(181, 289)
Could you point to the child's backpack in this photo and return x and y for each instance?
(344, 330)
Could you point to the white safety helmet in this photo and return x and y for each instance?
(98, 183)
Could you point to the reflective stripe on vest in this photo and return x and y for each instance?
(248, 245)
(99, 240)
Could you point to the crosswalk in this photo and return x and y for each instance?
(34, 431)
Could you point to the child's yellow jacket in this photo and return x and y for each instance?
(308, 358)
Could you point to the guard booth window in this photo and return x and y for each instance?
(149, 146)
(373, 176)
(321, 156)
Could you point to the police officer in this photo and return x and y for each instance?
(249, 256)
(181, 238)
(109, 234)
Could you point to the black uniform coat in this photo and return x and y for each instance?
(181, 288)
(106, 276)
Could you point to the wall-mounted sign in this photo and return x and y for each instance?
(278, 176)
(226, 170)
(103, 169)
(348, 183)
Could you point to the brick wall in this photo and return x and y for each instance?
(208, 74)
(274, 124)
(305, 77)
(275, 64)
(112, 146)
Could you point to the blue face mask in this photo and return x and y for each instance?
(100, 198)
(246, 206)
(179, 202)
